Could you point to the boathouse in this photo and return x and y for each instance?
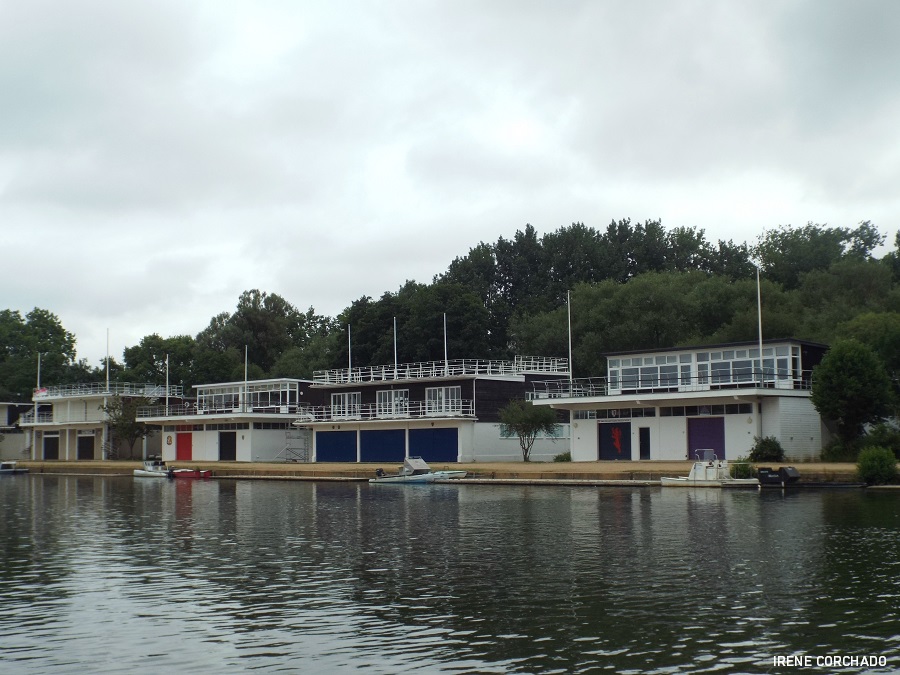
(68, 422)
(247, 421)
(670, 403)
(442, 411)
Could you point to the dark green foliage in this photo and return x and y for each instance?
(741, 468)
(840, 451)
(877, 466)
(766, 449)
(851, 388)
(525, 420)
(884, 436)
(563, 457)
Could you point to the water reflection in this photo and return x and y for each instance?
(109, 574)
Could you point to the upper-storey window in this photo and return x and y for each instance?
(443, 399)
(345, 404)
(392, 402)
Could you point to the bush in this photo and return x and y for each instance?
(563, 457)
(877, 466)
(883, 436)
(766, 449)
(837, 451)
(741, 468)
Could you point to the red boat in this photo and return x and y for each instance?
(191, 473)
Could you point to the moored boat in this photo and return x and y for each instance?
(714, 473)
(153, 468)
(414, 470)
(194, 474)
(447, 474)
(9, 468)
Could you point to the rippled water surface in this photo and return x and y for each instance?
(149, 575)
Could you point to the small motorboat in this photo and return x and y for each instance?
(9, 468)
(709, 473)
(194, 474)
(448, 474)
(153, 468)
(414, 470)
(786, 476)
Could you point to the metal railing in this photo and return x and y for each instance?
(601, 386)
(60, 417)
(188, 409)
(372, 411)
(439, 369)
(101, 389)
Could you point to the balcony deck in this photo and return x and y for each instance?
(600, 386)
(443, 369)
(100, 389)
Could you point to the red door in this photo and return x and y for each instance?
(184, 446)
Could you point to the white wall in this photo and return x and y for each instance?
(490, 446)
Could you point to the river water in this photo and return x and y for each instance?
(227, 576)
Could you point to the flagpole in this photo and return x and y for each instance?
(167, 385)
(349, 354)
(246, 363)
(395, 346)
(759, 320)
(107, 359)
(569, 310)
(446, 363)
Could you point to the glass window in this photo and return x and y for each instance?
(443, 400)
(685, 358)
(721, 372)
(629, 378)
(660, 360)
(781, 351)
(392, 402)
(703, 356)
(703, 373)
(648, 361)
(685, 375)
(678, 411)
(754, 353)
(690, 410)
(728, 355)
(742, 371)
(740, 354)
(665, 412)
(614, 379)
(345, 404)
(715, 356)
(668, 376)
(613, 363)
(649, 377)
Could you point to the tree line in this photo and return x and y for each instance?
(630, 286)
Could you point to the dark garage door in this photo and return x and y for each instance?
(387, 445)
(615, 440)
(706, 433)
(434, 445)
(335, 446)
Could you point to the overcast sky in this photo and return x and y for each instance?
(159, 158)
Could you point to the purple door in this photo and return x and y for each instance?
(706, 433)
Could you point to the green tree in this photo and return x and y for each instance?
(121, 412)
(21, 340)
(525, 420)
(787, 252)
(850, 387)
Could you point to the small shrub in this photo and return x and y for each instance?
(563, 457)
(741, 468)
(766, 449)
(877, 466)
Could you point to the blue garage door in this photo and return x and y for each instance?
(615, 440)
(388, 445)
(434, 445)
(335, 446)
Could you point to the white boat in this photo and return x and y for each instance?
(414, 470)
(448, 474)
(153, 468)
(10, 468)
(709, 473)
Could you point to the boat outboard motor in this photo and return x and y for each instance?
(379, 472)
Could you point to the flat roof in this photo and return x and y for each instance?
(717, 345)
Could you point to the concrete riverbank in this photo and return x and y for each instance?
(627, 473)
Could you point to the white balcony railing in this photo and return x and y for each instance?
(601, 386)
(439, 369)
(93, 389)
(372, 411)
(62, 417)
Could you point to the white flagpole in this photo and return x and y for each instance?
(569, 310)
(107, 359)
(246, 363)
(167, 384)
(395, 346)
(446, 363)
(759, 319)
(349, 354)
